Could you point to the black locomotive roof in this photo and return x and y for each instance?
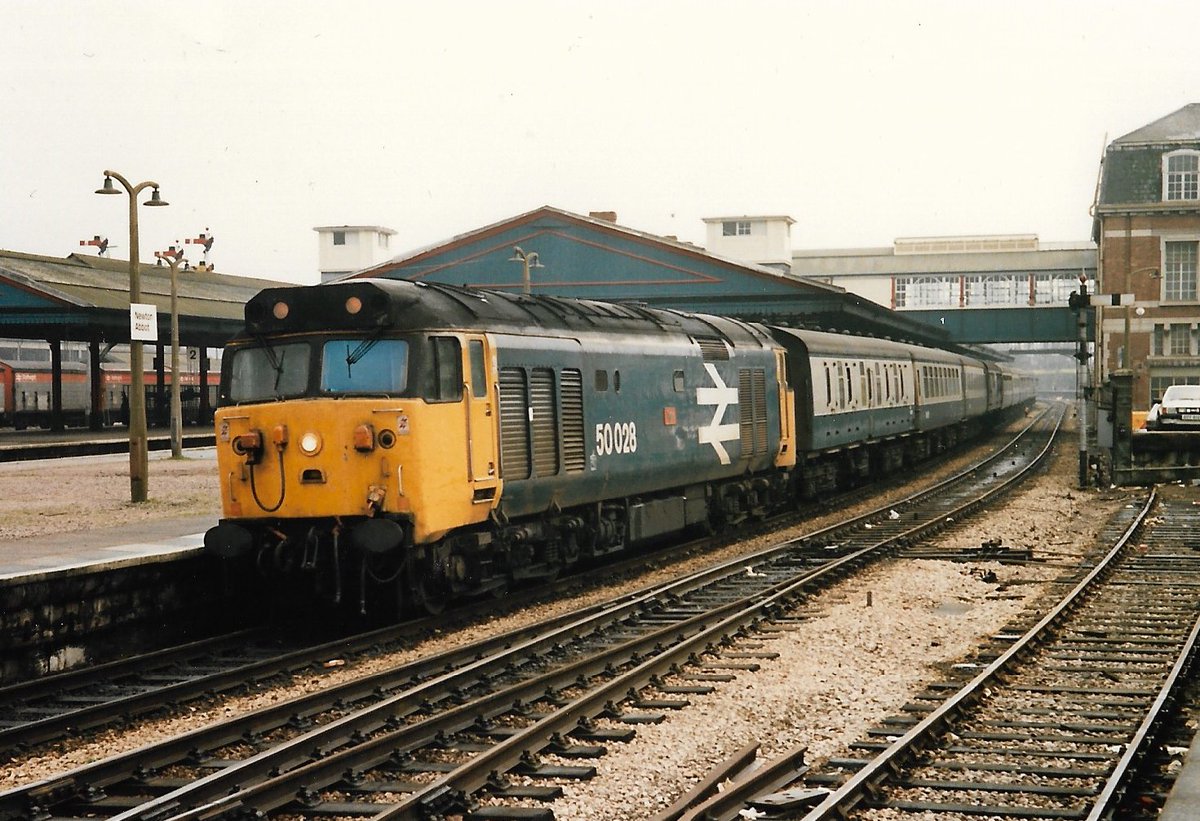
(402, 305)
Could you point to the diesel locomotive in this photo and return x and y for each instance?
(398, 442)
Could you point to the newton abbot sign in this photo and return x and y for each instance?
(143, 322)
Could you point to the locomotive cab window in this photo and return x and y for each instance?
(364, 366)
(601, 381)
(269, 372)
(677, 381)
(478, 369)
(447, 369)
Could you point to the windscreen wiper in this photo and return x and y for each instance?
(353, 356)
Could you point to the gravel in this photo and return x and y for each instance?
(868, 645)
(67, 495)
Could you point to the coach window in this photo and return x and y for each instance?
(828, 388)
(447, 369)
(677, 380)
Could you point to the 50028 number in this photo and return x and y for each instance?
(616, 438)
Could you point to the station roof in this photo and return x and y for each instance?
(83, 298)
(595, 258)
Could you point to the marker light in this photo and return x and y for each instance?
(364, 438)
(310, 443)
(353, 305)
(280, 310)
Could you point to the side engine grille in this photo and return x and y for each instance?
(752, 410)
(543, 422)
(572, 421)
(514, 430)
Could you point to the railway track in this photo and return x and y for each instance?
(54, 707)
(1051, 722)
(28, 447)
(429, 738)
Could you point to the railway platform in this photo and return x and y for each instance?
(152, 536)
(19, 445)
(1183, 803)
(38, 558)
(93, 588)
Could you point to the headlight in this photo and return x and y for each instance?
(310, 443)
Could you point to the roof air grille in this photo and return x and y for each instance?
(712, 349)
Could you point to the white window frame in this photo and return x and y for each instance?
(995, 289)
(1181, 185)
(1170, 275)
(927, 291)
(1054, 288)
(1179, 336)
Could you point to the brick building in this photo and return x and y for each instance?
(1147, 229)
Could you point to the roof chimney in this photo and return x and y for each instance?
(607, 216)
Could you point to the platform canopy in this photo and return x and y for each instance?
(593, 257)
(84, 298)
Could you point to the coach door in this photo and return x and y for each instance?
(483, 458)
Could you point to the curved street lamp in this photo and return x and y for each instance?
(174, 258)
(528, 260)
(139, 464)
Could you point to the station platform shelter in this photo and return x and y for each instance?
(80, 305)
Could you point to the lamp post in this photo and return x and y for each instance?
(174, 258)
(528, 260)
(139, 465)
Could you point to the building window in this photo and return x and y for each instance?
(1158, 341)
(1179, 271)
(927, 292)
(1182, 175)
(1160, 383)
(1054, 289)
(339, 237)
(735, 228)
(1181, 339)
(995, 289)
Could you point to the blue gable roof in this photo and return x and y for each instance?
(589, 258)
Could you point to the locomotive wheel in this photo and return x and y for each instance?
(430, 597)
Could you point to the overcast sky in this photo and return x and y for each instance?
(864, 121)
